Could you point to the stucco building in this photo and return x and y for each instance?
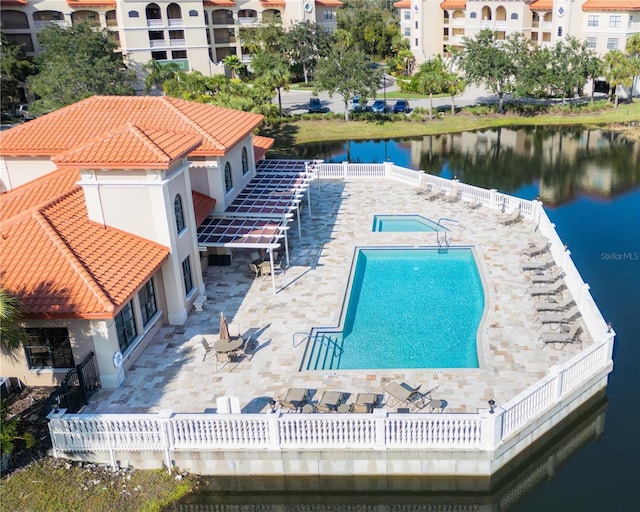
(99, 211)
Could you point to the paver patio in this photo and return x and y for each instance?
(171, 374)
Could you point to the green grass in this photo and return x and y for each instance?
(54, 485)
(333, 127)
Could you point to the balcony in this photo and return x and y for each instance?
(176, 22)
(177, 42)
(157, 43)
(155, 23)
(248, 20)
(40, 24)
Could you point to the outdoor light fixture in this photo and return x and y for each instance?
(492, 403)
(609, 326)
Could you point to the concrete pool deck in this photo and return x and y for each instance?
(171, 374)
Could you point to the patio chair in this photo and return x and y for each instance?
(553, 305)
(559, 318)
(535, 250)
(223, 359)
(547, 290)
(254, 268)
(243, 351)
(564, 338)
(207, 348)
(433, 193)
(512, 218)
(547, 278)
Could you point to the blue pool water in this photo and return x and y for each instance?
(407, 308)
(404, 223)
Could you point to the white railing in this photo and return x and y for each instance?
(378, 431)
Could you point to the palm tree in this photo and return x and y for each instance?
(158, 73)
(234, 64)
(274, 72)
(430, 79)
(633, 50)
(619, 72)
(12, 336)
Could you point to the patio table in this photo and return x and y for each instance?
(223, 345)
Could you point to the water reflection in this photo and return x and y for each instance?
(555, 163)
(416, 494)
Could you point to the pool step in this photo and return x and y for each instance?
(325, 352)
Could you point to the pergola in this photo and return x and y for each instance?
(258, 217)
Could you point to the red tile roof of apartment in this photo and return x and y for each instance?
(15, 3)
(91, 3)
(611, 5)
(203, 205)
(260, 146)
(403, 4)
(131, 148)
(329, 3)
(541, 5)
(218, 3)
(62, 265)
(95, 117)
(272, 3)
(454, 4)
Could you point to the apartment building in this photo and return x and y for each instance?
(194, 34)
(432, 25)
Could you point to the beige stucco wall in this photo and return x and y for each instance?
(16, 171)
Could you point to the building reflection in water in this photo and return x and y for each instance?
(410, 494)
(562, 162)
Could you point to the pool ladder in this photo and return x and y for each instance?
(443, 241)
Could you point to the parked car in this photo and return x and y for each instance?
(379, 106)
(356, 104)
(315, 105)
(401, 106)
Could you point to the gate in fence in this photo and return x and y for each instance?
(77, 387)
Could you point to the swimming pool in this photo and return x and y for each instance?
(404, 223)
(405, 308)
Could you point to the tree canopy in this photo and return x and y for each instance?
(77, 62)
(348, 73)
(15, 67)
(11, 334)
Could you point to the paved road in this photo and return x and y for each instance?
(297, 102)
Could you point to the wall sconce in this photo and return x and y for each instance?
(566, 247)
(609, 326)
(492, 404)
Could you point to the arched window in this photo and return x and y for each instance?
(174, 12)
(177, 208)
(486, 13)
(514, 15)
(473, 15)
(193, 13)
(134, 14)
(228, 179)
(245, 161)
(153, 12)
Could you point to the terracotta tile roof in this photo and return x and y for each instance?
(218, 3)
(542, 5)
(261, 145)
(132, 148)
(203, 205)
(329, 3)
(13, 3)
(91, 3)
(611, 5)
(403, 4)
(61, 264)
(93, 118)
(454, 4)
(272, 3)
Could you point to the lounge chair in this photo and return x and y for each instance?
(452, 196)
(547, 290)
(547, 278)
(288, 406)
(553, 306)
(364, 403)
(538, 265)
(434, 193)
(570, 336)
(512, 218)
(474, 203)
(535, 250)
(559, 318)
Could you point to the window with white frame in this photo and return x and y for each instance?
(126, 326)
(245, 161)
(615, 21)
(407, 14)
(48, 347)
(612, 43)
(407, 32)
(179, 213)
(148, 305)
(228, 178)
(328, 15)
(591, 42)
(186, 275)
(593, 20)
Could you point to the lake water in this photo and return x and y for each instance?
(589, 181)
